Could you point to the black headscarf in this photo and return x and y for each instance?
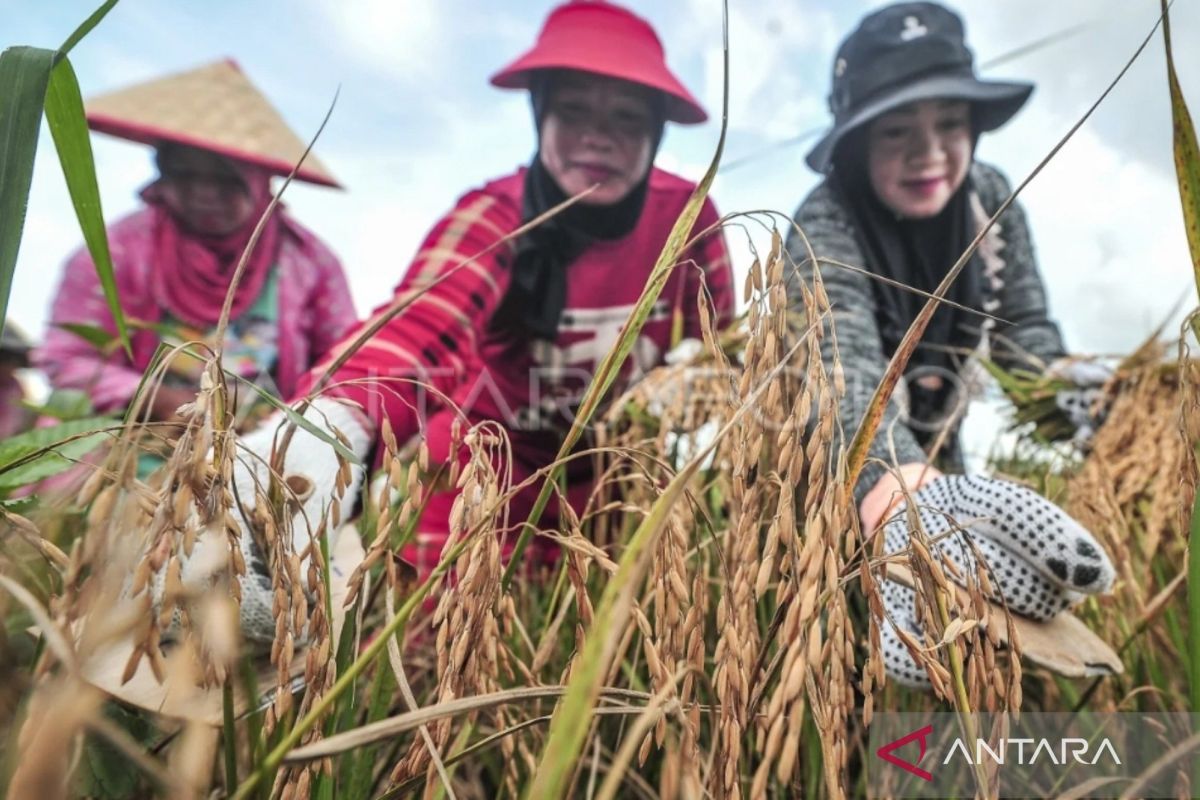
(537, 289)
(916, 253)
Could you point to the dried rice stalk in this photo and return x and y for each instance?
(470, 610)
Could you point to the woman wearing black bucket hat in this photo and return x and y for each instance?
(903, 197)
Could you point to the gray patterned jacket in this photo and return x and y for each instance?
(1013, 292)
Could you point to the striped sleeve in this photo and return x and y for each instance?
(708, 270)
(449, 293)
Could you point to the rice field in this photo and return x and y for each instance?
(711, 627)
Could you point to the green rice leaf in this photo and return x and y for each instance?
(24, 74)
(84, 29)
(297, 419)
(65, 404)
(163, 330)
(44, 452)
(94, 335)
(1193, 600)
(572, 715)
(1187, 170)
(1187, 157)
(18, 505)
(68, 126)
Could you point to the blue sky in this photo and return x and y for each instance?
(417, 124)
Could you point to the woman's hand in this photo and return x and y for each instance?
(1039, 561)
(888, 492)
(310, 473)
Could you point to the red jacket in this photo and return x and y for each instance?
(315, 311)
(443, 338)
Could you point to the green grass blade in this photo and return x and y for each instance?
(43, 452)
(24, 74)
(1193, 598)
(1187, 169)
(297, 419)
(571, 721)
(572, 715)
(84, 29)
(68, 126)
(228, 732)
(94, 335)
(64, 404)
(1187, 156)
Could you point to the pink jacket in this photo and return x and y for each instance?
(315, 311)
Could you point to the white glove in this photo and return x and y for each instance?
(671, 392)
(1079, 401)
(684, 352)
(684, 444)
(309, 463)
(1039, 559)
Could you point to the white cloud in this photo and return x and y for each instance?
(404, 37)
(771, 47)
(1112, 249)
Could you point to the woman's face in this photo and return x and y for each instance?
(597, 131)
(919, 154)
(204, 191)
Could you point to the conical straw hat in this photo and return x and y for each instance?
(214, 107)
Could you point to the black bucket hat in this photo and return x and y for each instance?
(902, 54)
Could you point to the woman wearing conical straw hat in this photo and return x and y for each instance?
(903, 197)
(511, 329)
(217, 144)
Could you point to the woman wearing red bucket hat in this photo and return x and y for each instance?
(601, 38)
(508, 331)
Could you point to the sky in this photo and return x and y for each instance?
(416, 125)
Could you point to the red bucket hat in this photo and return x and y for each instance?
(605, 39)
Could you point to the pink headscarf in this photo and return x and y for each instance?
(193, 272)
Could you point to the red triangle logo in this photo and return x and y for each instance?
(887, 752)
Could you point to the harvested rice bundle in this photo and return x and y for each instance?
(1136, 467)
(1059, 408)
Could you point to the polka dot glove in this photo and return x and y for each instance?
(1039, 559)
(1079, 402)
(310, 471)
